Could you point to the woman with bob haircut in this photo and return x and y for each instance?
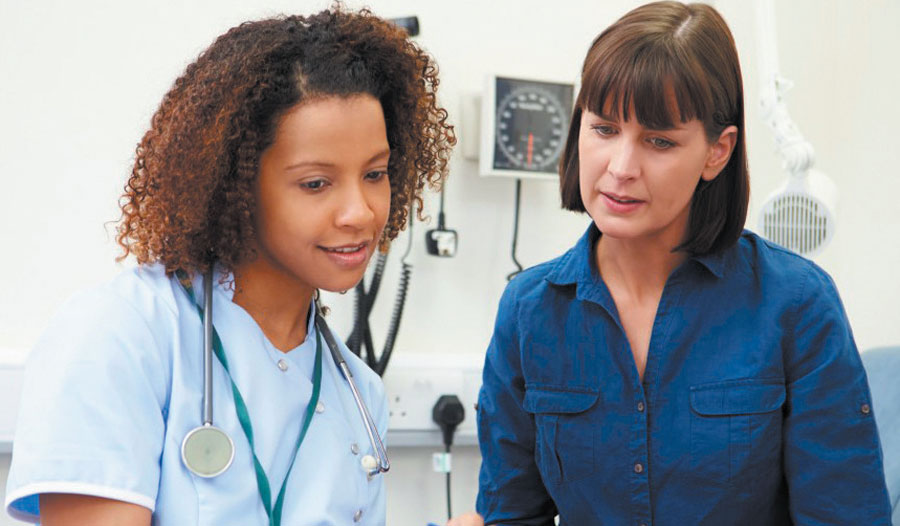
(671, 369)
(289, 152)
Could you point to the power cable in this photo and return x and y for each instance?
(516, 231)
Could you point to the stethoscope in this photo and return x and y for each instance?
(207, 450)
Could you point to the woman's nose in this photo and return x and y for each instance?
(624, 162)
(355, 208)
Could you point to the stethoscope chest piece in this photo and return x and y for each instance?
(207, 451)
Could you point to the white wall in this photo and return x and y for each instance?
(80, 81)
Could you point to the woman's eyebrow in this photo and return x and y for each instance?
(380, 155)
(665, 128)
(312, 163)
(325, 164)
(676, 126)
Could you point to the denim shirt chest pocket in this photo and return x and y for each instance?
(736, 429)
(564, 434)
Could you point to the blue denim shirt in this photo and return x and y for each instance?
(754, 408)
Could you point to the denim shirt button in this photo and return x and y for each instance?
(865, 409)
(640, 407)
(638, 468)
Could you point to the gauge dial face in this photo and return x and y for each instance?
(531, 123)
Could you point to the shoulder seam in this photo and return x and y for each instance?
(795, 311)
(778, 248)
(159, 346)
(141, 316)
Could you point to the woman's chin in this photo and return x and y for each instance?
(341, 285)
(616, 230)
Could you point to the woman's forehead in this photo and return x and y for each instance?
(657, 108)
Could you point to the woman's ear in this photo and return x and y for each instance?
(719, 153)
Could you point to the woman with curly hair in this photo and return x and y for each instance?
(281, 159)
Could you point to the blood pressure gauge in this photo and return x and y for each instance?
(524, 127)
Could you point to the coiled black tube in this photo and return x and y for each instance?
(354, 339)
(360, 340)
(396, 315)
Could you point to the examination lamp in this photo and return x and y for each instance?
(800, 214)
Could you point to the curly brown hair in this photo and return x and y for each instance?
(189, 201)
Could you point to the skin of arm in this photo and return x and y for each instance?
(60, 509)
(467, 519)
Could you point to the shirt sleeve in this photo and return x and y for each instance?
(511, 491)
(832, 456)
(91, 416)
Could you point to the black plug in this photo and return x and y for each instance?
(441, 242)
(448, 413)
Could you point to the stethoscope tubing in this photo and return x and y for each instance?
(383, 464)
(207, 350)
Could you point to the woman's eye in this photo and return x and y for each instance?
(604, 129)
(376, 175)
(661, 144)
(315, 184)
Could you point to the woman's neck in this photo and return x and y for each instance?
(638, 268)
(277, 301)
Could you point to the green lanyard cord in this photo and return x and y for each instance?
(262, 481)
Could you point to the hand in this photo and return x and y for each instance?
(466, 519)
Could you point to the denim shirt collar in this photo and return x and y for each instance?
(577, 265)
(715, 262)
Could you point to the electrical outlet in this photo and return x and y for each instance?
(414, 382)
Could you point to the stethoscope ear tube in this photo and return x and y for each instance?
(207, 348)
(383, 463)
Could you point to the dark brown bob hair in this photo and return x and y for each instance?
(190, 202)
(651, 54)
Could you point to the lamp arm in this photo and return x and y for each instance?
(796, 152)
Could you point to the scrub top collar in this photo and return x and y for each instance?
(223, 294)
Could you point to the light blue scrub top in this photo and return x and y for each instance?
(115, 384)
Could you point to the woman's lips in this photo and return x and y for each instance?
(620, 204)
(348, 256)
